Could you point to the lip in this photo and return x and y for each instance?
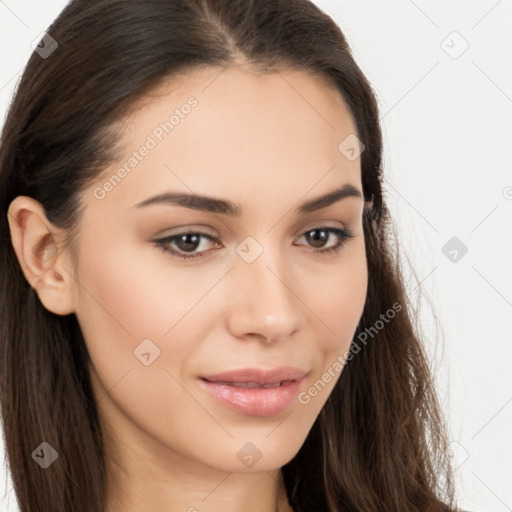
(259, 375)
(255, 401)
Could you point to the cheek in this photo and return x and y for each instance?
(130, 315)
(134, 293)
(339, 298)
(339, 303)
(125, 300)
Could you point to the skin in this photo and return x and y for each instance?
(266, 142)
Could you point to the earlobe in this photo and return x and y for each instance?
(35, 242)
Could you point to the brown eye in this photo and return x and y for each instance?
(188, 242)
(318, 237)
(184, 245)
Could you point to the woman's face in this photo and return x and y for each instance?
(263, 289)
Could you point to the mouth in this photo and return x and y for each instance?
(254, 391)
(253, 377)
(251, 385)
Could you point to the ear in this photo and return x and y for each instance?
(46, 266)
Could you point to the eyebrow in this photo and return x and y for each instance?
(222, 206)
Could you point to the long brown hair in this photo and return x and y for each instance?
(379, 443)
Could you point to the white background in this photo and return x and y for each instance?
(447, 132)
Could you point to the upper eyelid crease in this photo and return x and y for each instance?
(222, 206)
(343, 234)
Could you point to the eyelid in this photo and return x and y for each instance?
(186, 228)
(205, 230)
(320, 224)
(343, 234)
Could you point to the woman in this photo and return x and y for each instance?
(201, 307)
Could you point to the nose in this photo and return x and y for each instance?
(263, 302)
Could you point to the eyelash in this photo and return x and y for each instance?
(163, 243)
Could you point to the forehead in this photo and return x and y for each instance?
(234, 132)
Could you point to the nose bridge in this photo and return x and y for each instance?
(263, 301)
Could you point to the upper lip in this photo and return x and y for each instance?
(259, 375)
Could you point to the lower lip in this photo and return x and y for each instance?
(255, 401)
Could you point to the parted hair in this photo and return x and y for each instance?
(379, 443)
